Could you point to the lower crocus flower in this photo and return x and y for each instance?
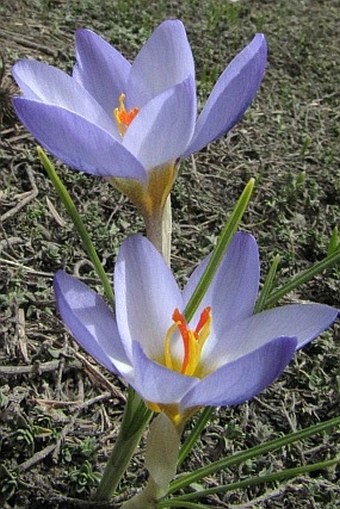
(224, 356)
(129, 122)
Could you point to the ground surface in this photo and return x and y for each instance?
(59, 413)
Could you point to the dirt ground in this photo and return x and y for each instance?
(59, 412)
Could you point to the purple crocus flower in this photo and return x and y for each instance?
(224, 356)
(134, 121)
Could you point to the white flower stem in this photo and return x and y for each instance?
(158, 230)
(160, 460)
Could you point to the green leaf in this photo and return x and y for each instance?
(194, 434)
(215, 260)
(267, 285)
(220, 249)
(255, 481)
(77, 221)
(181, 503)
(334, 242)
(302, 278)
(253, 452)
(135, 418)
(136, 414)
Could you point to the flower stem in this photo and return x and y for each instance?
(160, 460)
(158, 230)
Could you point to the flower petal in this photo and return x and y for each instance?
(163, 128)
(304, 321)
(100, 69)
(90, 321)
(232, 94)
(242, 379)
(154, 382)
(164, 61)
(77, 142)
(146, 296)
(233, 290)
(47, 84)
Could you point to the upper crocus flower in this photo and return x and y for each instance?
(134, 121)
(224, 356)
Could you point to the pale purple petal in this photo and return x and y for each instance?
(232, 94)
(48, 85)
(77, 142)
(242, 379)
(90, 321)
(146, 296)
(233, 291)
(100, 69)
(164, 61)
(155, 382)
(305, 321)
(163, 128)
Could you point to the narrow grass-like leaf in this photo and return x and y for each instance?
(194, 435)
(136, 417)
(267, 285)
(255, 481)
(77, 221)
(136, 414)
(215, 260)
(180, 503)
(253, 452)
(302, 278)
(334, 241)
(220, 249)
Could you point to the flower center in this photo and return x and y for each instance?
(193, 341)
(123, 117)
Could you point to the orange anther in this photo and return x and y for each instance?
(126, 117)
(123, 117)
(205, 315)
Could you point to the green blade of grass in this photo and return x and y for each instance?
(255, 481)
(253, 452)
(195, 434)
(334, 241)
(304, 277)
(214, 262)
(77, 221)
(181, 503)
(267, 285)
(220, 249)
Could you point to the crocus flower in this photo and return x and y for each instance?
(224, 356)
(129, 122)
